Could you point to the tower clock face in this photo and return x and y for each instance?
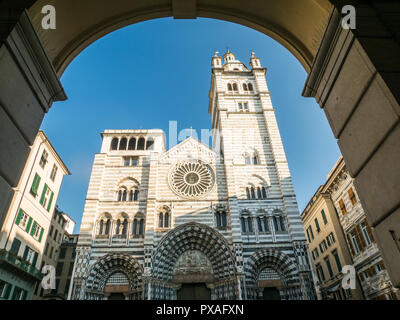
(191, 179)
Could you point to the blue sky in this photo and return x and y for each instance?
(146, 74)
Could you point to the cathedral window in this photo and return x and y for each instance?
(101, 226)
(114, 144)
(247, 159)
(164, 219)
(244, 87)
(229, 87)
(123, 195)
(150, 144)
(134, 226)
(141, 226)
(122, 144)
(253, 193)
(279, 223)
(107, 229)
(235, 87)
(250, 87)
(264, 192)
(248, 192)
(243, 106)
(259, 196)
(247, 224)
(262, 222)
(132, 144)
(138, 225)
(220, 218)
(119, 195)
(140, 145)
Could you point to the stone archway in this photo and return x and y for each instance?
(353, 74)
(195, 237)
(282, 265)
(98, 281)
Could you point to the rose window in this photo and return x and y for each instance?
(191, 178)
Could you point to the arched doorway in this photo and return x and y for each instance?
(193, 261)
(116, 276)
(272, 275)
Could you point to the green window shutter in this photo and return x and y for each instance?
(35, 184)
(29, 224)
(35, 257)
(8, 291)
(43, 193)
(41, 235)
(19, 216)
(25, 255)
(51, 199)
(33, 228)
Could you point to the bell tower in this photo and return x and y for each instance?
(256, 168)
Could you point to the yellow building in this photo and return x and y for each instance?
(327, 247)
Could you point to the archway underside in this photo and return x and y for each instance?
(297, 25)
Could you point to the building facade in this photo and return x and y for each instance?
(366, 256)
(65, 265)
(28, 220)
(192, 221)
(52, 250)
(328, 248)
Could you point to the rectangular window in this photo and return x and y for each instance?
(5, 289)
(328, 265)
(324, 216)
(62, 253)
(322, 246)
(47, 197)
(337, 260)
(364, 229)
(30, 255)
(342, 207)
(354, 243)
(311, 232)
(71, 268)
(53, 172)
(320, 273)
(35, 185)
(317, 225)
(43, 159)
(59, 268)
(352, 196)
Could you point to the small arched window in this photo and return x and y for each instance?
(250, 224)
(114, 144)
(248, 193)
(117, 226)
(101, 226)
(125, 227)
(255, 159)
(243, 224)
(244, 87)
(166, 220)
(131, 195)
(229, 87)
(141, 226)
(247, 159)
(140, 145)
(134, 226)
(259, 196)
(264, 192)
(136, 195)
(120, 195)
(122, 144)
(250, 86)
(123, 195)
(253, 193)
(235, 87)
(132, 144)
(108, 225)
(259, 224)
(160, 220)
(150, 144)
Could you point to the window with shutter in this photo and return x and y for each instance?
(35, 185)
(371, 236)
(352, 196)
(51, 199)
(360, 239)
(349, 241)
(342, 207)
(19, 217)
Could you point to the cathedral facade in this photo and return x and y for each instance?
(195, 222)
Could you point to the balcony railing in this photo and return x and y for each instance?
(20, 264)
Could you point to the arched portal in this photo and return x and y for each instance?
(205, 247)
(269, 271)
(115, 276)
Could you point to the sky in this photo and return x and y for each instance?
(144, 75)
